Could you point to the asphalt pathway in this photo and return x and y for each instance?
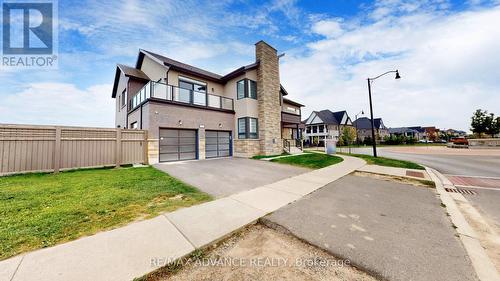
(395, 231)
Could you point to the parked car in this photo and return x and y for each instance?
(459, 141)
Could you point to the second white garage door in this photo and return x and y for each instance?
(217, 144)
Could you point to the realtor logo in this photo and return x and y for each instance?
(29, 34)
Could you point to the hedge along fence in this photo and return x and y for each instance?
(26, 148)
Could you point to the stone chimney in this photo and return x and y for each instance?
(269, 99)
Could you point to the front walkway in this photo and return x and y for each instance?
(142, 247)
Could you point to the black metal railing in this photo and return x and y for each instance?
(286, 145)
(298, 143)
(167, 92)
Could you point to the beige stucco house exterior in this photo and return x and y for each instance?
(191, 113)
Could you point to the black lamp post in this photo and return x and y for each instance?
(356, 120)
(371, 107)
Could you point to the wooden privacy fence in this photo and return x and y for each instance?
(26, 148)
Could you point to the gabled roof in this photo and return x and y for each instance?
(401, 130)
(239, 71)
(365, 123)
(128, 72)
(332, 118)
(173, 64)
(418, 129)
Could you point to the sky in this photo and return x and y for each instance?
(447, 53)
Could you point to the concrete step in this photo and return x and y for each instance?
(295, 150)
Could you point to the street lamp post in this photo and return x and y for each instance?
(370, 80)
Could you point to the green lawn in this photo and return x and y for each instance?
(389, 162)
(310, 160)
(257, 157)
(41, 210)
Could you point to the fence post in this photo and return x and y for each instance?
(118, 147)
(145, 147)
(57, 150)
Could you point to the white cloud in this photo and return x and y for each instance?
(59, 104)
(449, 63)
(329, 28)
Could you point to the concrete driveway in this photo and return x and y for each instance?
(395, 231)
(225, 176)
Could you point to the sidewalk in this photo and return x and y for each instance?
(399, 172)
(142, 247)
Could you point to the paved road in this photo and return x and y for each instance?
(396, 231)
(486, 201)
(225, 176)
(486, 166)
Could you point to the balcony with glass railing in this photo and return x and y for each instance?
(161, 91)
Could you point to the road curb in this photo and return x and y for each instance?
(484, 267)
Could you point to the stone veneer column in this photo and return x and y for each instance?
(201, 144)
(268, 95)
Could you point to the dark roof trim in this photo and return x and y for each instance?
(128, 72)
(239, 71)
(285, 100)
(283, 91)
(177, 65)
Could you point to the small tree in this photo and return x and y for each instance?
(479, 122)
(492, 126)
(348, 135)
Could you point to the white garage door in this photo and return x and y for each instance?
(217, 144)
(177, 145)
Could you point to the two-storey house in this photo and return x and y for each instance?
(326, 124)
(191, 113)
(363, 127)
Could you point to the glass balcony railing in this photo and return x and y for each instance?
(172, 93)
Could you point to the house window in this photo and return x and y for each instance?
(315, 129)
(246, 88)
(123, 98)
(321, 128)
(248, 128)
(308, 130)
(133, 125)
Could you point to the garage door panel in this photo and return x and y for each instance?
(166, 133)
(168, 141)
(187, 148)
(224, 153)
(211, 154)
(187, 134)
(187, 156)
(164, 157)
(223, 146)
(211, 141)
(184, 140)
(217, 144)
(177, 145)
(169, 149)
(210, 134)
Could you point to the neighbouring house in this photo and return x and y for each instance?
(326, 124)
(409, 132)
(363, 127)
(455, 133)
(431, 133)
(191, 113)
